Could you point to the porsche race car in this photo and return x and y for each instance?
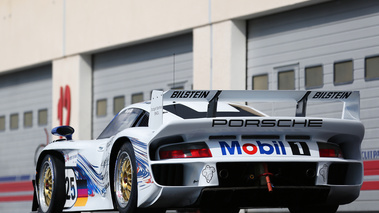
(208, 150)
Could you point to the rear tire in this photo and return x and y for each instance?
(125, 180)
(51, 185)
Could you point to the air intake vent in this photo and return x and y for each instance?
(168, 174)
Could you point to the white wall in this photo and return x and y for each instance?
(74, 71)
(220, 56)
(32, 32)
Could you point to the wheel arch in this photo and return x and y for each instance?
(113, 155)
(47, 152)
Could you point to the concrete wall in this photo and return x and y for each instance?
(76, 73)
(33, 32)
(220, 56)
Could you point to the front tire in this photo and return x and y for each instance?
(51, 185)
(125, 180)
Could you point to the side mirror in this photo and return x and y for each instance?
(64, 131)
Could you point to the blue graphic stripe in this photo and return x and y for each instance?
(95, 181)
(143, 174)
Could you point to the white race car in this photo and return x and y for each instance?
(195, 149)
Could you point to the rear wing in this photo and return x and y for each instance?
(350, 99)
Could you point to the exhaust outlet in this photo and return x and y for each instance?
(310, 173)
(223, 173)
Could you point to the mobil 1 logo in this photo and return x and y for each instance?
(271, 148)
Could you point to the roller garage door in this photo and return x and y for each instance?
(329, 46)
(128, 75)
(25, 113)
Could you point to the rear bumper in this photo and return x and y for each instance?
(261, 197)
(281, 196)
(242, 184)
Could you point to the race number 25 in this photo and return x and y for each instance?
(71, 188)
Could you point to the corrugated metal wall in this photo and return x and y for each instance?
(139, 69)
(24, 95)
(321, 35)
(21, 92)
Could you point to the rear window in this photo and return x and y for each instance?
(121, 121)
(186, 112)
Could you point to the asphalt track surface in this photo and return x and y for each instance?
(278, 210)
(283, 211)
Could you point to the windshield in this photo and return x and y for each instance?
(120, 122)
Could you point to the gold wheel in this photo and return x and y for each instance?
(123, 180)
(126, 179)
(48, 185)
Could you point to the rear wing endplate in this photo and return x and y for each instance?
(350, 99)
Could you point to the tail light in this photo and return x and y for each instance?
(329, 150)
(188, 150)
